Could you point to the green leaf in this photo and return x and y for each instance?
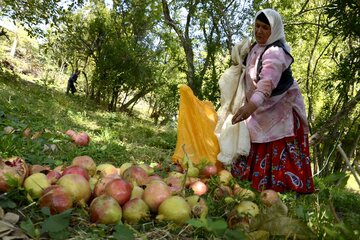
(217, 224)
(57, 222)
(218, 227)
(235, 234)
(59, 235)
(198, 223)
(122, 232)
(46, 211)
(7, 203)
(300, 212)
(28, 227)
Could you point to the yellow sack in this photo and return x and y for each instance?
(196, 126)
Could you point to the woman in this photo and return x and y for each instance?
(275, 114)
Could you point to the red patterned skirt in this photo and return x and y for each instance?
(280, 165)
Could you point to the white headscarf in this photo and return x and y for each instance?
(277, 26)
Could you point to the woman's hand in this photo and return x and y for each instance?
(244, 112)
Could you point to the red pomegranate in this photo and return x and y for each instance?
(12, 168)
(71, 133)
(53, 176)
(85, 162)
(82, 139)
(155, 193)
(77, 186)
(135, 175)
(269, 197)
(99, 188)
(208, 171)
(199, 188)
(56, 199)
(76, 170)
(120, 190)
(105, 210)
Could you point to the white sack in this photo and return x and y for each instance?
(234, 140)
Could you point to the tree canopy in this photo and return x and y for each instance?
(131, 51)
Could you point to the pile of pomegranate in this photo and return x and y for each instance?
(133, 193)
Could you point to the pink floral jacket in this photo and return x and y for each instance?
(273, 119)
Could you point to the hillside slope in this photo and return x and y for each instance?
(115, 137)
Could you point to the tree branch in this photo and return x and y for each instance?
(322, 131)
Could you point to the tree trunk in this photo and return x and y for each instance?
(13, 47)
(186, 44)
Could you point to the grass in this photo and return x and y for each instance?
(115, 137)
(331, 213)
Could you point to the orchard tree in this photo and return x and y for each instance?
(206, 30)
(33, 15)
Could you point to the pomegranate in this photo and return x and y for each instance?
(192, 171)
(53, 176)
(175, 184)
(137, 192)
(199, 188)
(176, 174)
(244, 194)
(35, 184)
(269, 197)
(14, 168)
(154, 177)
(82, 139)
(59, 168)
(149, 170)
(208, 171)
(7, 175)
(19, 164)
(176, 168)
(93, 181)
(36, 168)
(135, 175)
(104, 169)
(155, 193)
(77, 186)
(56, 199)
(247, 209)
(71, 133)
(99, 188)
(76, 170)
(135, 210)
(191, 180)
(120, 190)
(175, 209)
(192, 200)
(198, 206)
(105, 210)
(222, 191)
(225, 176)
(241, 215)
(124, 166)
(85, 162)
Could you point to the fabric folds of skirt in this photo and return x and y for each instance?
(280, 165)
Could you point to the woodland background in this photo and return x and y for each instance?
(135, 53)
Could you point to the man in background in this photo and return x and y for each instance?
(72, 81)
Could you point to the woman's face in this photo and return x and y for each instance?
(262, 32)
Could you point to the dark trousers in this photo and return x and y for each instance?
(70, 86)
